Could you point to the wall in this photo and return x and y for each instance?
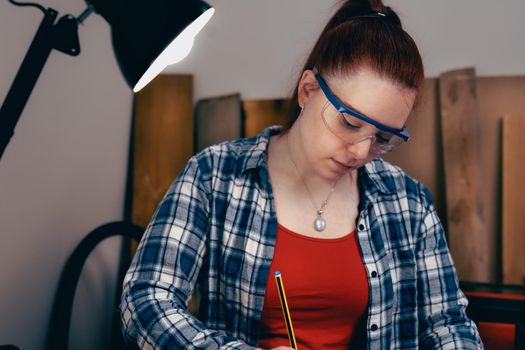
(61, 176)
(258, 50)
(64, 171)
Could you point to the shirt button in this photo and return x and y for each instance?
(374, 273)
(361, 227)
(374, 327)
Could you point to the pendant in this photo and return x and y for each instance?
(319, 224)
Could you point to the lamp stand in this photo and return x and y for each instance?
(62, 36)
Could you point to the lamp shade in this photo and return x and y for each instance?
(149, 35)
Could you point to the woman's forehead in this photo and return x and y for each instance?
(367, 83)
(375, 96)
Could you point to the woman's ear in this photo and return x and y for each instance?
(307, 85)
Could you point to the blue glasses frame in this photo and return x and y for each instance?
(341, 108)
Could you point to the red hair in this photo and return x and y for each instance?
(353, 39)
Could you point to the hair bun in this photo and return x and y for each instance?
(352, 9)
(372, 5)
(391, 16)
(359, 33)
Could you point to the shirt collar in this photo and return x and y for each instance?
(257, 152)
(377, 176)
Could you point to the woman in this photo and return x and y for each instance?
(359, 245)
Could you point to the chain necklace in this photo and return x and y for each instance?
(319, 222)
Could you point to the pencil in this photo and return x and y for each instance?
(286, 311)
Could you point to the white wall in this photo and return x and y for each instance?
(64, 171)
(257, 47)
(61, 176)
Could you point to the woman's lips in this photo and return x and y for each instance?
(341, 166)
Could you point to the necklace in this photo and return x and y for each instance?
(319, 222)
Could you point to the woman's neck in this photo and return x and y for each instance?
(291, 161)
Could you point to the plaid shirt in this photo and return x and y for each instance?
(216, 228)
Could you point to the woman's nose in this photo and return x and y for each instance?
(360, 149)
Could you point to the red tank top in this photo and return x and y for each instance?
(327, 292)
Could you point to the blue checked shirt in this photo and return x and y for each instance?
(216, 228)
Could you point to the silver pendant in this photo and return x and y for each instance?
(319, 224)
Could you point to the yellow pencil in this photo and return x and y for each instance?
(286, 311)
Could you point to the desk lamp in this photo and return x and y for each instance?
(147, 36)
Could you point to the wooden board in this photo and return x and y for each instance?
(513, 208)
(497, 96)
(217, 119)
(469, 239)
(259, 114)
(163, 140)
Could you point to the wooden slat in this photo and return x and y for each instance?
(217, 119)
(513, 209)
(497, 96)
(460, 119)
(259, 114)
(163, 140)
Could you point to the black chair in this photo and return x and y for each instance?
(493, 304)
(58, 331)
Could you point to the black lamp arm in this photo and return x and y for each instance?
(62, 36)
(85, 14)
(32, 4)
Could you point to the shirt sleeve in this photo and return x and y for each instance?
(161, 278)
(443, 322)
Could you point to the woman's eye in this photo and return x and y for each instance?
(382, 138)
(347, 123)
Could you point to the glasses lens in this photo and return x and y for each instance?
(342, 125)
(350, 129)
(385, 142)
